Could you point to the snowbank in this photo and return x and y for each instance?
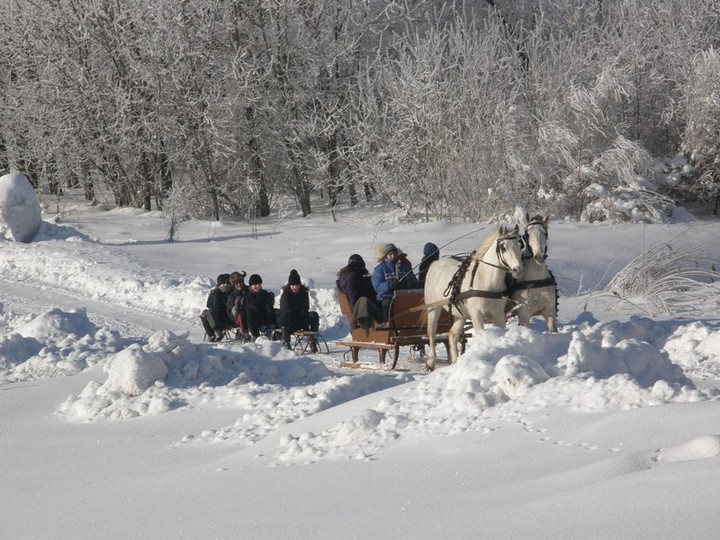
(20, 215)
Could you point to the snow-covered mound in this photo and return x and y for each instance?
(55, 343)
(589, 368)
(20, 214)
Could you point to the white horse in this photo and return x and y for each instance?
(535, 292)
(472, 288)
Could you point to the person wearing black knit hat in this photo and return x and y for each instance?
(259, 308)
(294, 277)
(215, 319)
(295, 311)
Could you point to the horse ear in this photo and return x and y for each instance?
(501, 231)
(527, 217)
(516, 230)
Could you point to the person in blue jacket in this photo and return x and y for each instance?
(391, 274)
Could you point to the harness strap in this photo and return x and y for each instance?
(534, 284)
(475, 293)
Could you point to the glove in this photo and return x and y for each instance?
(391, 283)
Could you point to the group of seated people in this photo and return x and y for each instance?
(250, 309)
(370, 295)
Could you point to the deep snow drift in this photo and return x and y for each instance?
(118, 420)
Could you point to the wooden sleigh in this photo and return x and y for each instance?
(405, 327)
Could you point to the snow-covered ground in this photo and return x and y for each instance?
(118, 421)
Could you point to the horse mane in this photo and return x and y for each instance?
(485, 245)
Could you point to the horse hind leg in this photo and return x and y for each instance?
(551, 321)
(433, 317)
(454, 337)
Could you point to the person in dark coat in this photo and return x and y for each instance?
(236, 304)
(354, 280)
(431, 253)
(295, 311)
(215, 319)
(259, 308)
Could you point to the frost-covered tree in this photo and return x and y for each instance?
(701, 138)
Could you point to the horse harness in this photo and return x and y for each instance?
(452, 291)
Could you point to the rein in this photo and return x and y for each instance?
(453, 288)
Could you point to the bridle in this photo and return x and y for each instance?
(525, 242)
(500, 251)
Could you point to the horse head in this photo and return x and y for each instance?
(509, 250)
(536, 236)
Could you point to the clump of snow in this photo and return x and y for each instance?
(271, 385)
(20, 214)
(54, 343)
(707, 447)
(132, 371)
(57, 324)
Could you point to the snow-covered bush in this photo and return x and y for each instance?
(20, 214)
(701, 138)
(668, 278)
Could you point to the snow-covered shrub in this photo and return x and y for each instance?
(20, 214)
(701, 138)
(626, 204)
(669, 278)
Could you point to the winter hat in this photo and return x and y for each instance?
(389, 248)
(222, 279)
(430, 249)
(294, 278)
(356, 260)
(237, 277)
(254, 279)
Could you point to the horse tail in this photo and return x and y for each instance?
(423, 318)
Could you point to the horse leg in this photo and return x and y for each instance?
(433, 317)
(551, 323)
(454, 337)
(496, 314)
(523, 315)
